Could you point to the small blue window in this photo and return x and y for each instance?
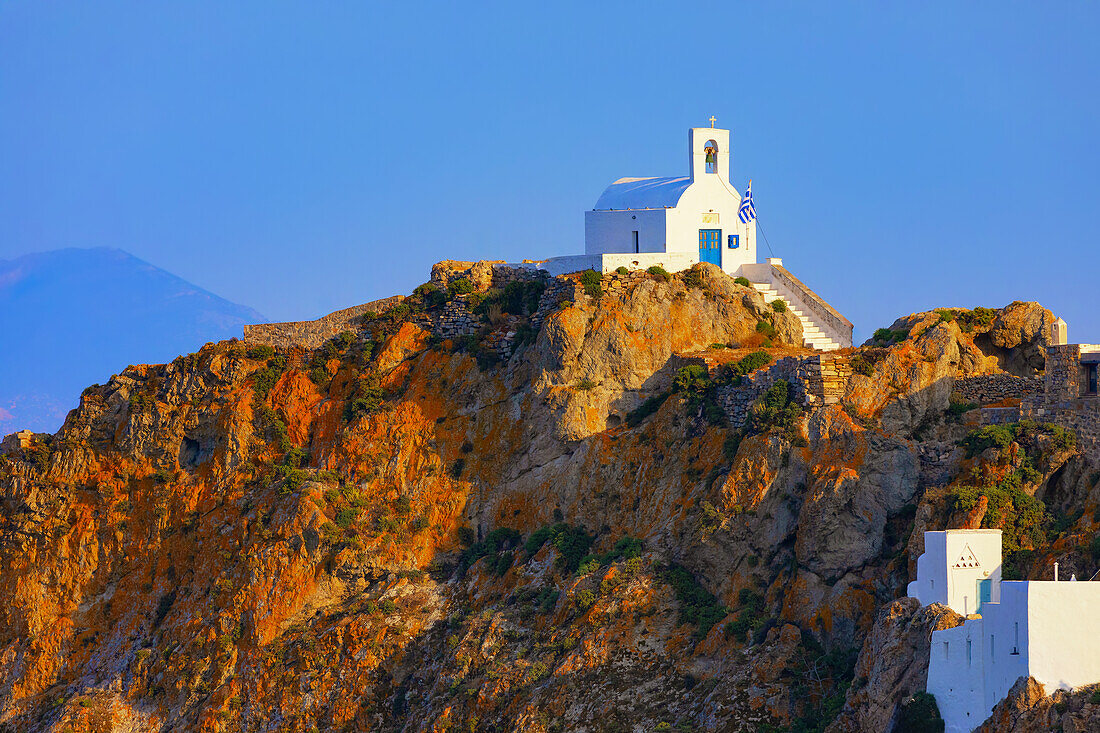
(734, 241)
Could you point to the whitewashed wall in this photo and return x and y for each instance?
(612, 231)
(1064, 633)
(938, 582)
(676, 229)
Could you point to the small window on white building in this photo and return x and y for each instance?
(945, 650)
(1016, 637)
(634, 240)
(991, 647)
(968, 652)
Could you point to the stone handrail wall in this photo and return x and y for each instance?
(821, 312)
(311, 334)
(990, 388)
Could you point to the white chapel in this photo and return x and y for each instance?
(696, 216)
(677, 222)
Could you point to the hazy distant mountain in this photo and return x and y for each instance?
(74, 317)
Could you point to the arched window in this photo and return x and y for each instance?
(711, 150)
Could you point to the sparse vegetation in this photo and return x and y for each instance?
(460, 286)
(659, 272)
(693, 279)
(767, 329)
(779, 306)
(743, 281)
(590, 279)
(698, 606)
(919, 714)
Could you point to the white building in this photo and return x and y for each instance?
(680, 221)
(694, 216)
(1046, 629)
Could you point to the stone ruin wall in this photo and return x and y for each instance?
(990, 389)
(311, 334)
(816, 380)
(1060, 401)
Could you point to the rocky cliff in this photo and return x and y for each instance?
(548, 523)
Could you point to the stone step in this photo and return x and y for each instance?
(813, 336)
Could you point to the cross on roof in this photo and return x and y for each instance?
(712, 120)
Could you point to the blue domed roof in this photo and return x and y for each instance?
(643, 193)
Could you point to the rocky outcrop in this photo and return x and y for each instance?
(396, 531)
(893, 664)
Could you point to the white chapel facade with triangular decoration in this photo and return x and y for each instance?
(1046, 629)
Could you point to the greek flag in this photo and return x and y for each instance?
(747, 212)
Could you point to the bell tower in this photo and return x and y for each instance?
(709, 152)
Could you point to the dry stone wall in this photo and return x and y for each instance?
(992, 388)
(1060, 402)
(311, 334)
(816, 380)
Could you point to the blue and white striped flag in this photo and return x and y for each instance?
(747, 212)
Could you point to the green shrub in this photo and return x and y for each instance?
(644, 410)
(460, 286)
(991, 436)
(346, 517)
(265, 379)
(957, 406)
(779, 306)
(692, 378)
(584, 600)
(862, 365)
(919, 714)
(743, 281)
(366, 400)
(775, 409)
(500, 540)
(693, 278)
(259, 353)
(698, 606)
(590, 279)
(766, 328)
(622, 270)
(585, 384)
(746, 365)
(886, 337)
(660, 273)
(572, 543)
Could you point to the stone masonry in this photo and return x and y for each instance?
(311, 334)
(1064, 401)
(816, 380)
(992, 388)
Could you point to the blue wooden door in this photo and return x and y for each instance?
(710, 246)
(985, 592)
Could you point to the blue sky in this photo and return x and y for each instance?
(303, 157)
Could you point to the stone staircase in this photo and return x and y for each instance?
(812, 335)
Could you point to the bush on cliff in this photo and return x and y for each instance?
(698, 606)
(367, 399)
(590, 279)
(461, 286)
(499, 541)
(776, 409)
(644, 410)
(572, 544)
(659, 272)
(919, 714)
